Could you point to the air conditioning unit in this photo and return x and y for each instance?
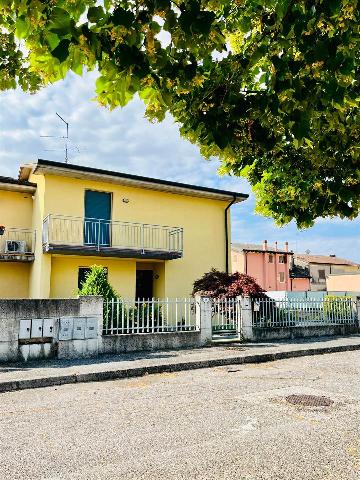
(15, 246)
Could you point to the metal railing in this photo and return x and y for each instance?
(17, 243)
(102, 234)
(150, 316)
(270, 313)
(226, 314)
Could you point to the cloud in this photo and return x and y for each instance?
(124, 140)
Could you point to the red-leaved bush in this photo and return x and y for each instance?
(221, 284)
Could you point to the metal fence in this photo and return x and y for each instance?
(226, 314)
(90, 232)
(270, 313)
(150, 316)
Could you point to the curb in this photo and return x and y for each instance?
(104, 375)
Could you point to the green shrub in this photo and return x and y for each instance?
(96, 283)
(335, 306)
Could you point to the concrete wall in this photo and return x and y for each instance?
(289, 333)
(149, 341)
(13, 348)
(13, 311)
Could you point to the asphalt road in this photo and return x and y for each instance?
(222, 423)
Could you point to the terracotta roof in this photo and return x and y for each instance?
(253, 247)
(323, 259)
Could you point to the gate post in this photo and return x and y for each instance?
(358, 310)
(203, 318)
(246, 317)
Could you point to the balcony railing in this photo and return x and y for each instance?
(17, 244)
(113, 238)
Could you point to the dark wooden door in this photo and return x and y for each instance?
(144, 284)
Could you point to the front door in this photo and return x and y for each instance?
(144, 284)
(97, 218)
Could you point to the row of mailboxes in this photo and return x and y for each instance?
(36, 328)
(78, 328)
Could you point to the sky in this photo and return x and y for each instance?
(123, 140)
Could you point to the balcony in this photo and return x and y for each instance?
(17, 245)
(88, 236)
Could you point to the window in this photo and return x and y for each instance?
(282, 258)
(281, 277)
(83, 271)
(322, 275)
(271, 258)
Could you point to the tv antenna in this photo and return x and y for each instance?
(65, 137)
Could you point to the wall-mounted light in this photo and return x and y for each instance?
(125, 200)
(156, 276)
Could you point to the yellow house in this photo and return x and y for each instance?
(155, 237)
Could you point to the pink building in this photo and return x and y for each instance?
(271, 267)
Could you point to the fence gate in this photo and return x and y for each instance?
(226, 318)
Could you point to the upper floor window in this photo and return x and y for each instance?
(281, 277)
(271, 258)
(282, 258)
(322, 275)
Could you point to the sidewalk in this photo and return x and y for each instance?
(38, 374)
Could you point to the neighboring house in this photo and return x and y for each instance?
(343, 282)
(299, 278)
(269, 265)
(155, 237)
(321, 266)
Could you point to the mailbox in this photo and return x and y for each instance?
(25, 329)
(79, 328)
(91, 327)
(36, 328)
(66, 328)
(48, 327)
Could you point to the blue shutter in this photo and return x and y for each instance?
(97, 218)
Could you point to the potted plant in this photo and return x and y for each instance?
(2, 229)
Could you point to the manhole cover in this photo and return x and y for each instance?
(309, 400)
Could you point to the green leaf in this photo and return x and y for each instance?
(60, 22)
(281, 8)
(95, 14)
(123, 17)
(22, 27)
(61, 52)
(52, 39)
(245, 24)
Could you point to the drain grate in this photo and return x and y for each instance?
(309, 400)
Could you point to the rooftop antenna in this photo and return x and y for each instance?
(66, 137)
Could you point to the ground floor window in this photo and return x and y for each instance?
(82, 272)
(281, 277)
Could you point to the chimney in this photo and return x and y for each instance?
(265, 245)
(275, 246)
(286, 246)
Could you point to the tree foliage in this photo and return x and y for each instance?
(96, 283)
(218, 284)
(271, 87)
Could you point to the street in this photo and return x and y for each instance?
(243, 422)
